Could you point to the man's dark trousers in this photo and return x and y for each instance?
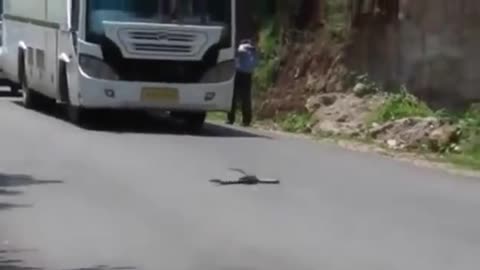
(242, 94)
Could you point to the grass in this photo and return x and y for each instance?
(292, 122)
(464, 161)
(295, 122)
(336, 19)
(469, 123)
(269, 45)
(221, 117)
(217, 116)
(401, 105)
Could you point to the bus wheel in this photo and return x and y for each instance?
(78, 115)
(15, 89)
(33, 100)
(194, 121)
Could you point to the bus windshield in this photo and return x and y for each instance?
(192, 12)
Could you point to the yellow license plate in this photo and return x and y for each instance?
(161, 95)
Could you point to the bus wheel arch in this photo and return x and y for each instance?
(75, 114)
(21, 67)
(63, 86)
(31, 99)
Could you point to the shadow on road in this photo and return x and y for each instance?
(9, 260)
(143, 123)
(102, 267)
(9, 206)
(12, 259)
(13, 267)
(5, 192)
(9, 181)
(13, 264)
(18, 180)
(138, 122)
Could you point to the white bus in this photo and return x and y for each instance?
(159, 55)
(4, 81)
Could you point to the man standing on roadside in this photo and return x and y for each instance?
(246, 64)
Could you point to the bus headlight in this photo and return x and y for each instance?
(96, 68)
(220, 73)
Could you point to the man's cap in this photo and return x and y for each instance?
(246, 47)
(246, 41)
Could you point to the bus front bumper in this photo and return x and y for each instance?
(101, 94)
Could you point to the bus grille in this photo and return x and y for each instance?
(141, 47)
(160, 43)
(158, 70)
(155, 35)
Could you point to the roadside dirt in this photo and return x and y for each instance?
(430, 161)
(314, 79)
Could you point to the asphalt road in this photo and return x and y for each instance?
(136, 195)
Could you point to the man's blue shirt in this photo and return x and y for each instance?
(247, 60)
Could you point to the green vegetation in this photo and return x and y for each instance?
(469, 154)
(466, 153)
(398, 105)
(269, 45)
(401, 105)
(354, 78)
(296, 122)
(336, 19)
(217, 116)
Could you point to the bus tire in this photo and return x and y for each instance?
(75, 114)
(31, 99)
(78, 116)
(194, 121)
(35, 101)
(15, 89)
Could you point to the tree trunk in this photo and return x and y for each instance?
(311, 13)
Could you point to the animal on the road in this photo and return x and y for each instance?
(246, 179)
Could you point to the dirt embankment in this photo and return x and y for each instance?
(314, 79)
(309, 65)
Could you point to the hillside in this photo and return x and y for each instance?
(391, 71)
